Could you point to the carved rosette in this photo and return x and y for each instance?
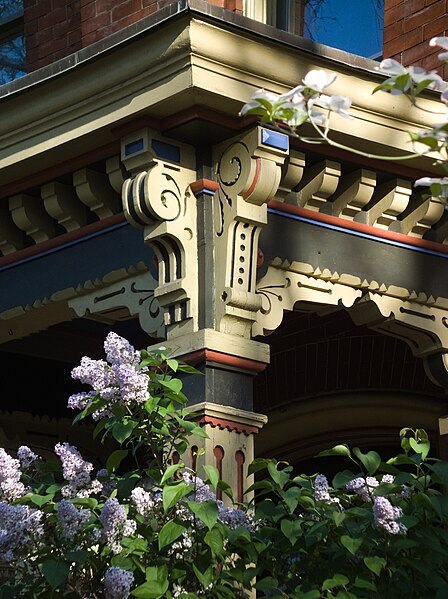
(158, 200)
(248, 173)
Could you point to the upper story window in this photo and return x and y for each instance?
(352, 25)
(12, 42)
(355, 26)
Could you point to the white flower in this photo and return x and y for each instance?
(392, 67)
(338, 104)
(440, 188)
(294, 95)
(416, 75)
(443, 43)
(427, 181)
(318, 80)
(260, 94)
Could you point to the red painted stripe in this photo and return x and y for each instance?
(358, 227)
(208, 355)
(201, 184)
(255, 179)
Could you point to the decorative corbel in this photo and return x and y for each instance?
(62, 204)
(29, 215)
(157, 199)
(248, 173)
(389, 201)
(318, 183)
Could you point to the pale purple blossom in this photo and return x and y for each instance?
(21, 530)
(11, 487)
(321, 492)
(386, 515)
(79, 401)
(120, 351)
(117, 583)
(71, 520)
(234, 517)
(144, 501)
(96, 373)
(121, 381)
(26, 456)
(363, 487)
(115, 524)
(202, 492)
(133, 384)
(76, 472)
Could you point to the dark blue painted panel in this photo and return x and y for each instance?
(67, 266)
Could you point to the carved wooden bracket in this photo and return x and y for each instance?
(249, 173)
(286, 287)
(157, 198)
(135, 294)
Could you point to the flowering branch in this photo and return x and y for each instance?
(291, 110)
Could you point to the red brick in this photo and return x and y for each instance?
(30, 27)
(43, 7)
(126, 8)
(437, 27)
(388, 4)
(88, 11)
(96, 23)
(151, 4)
(74, 38)
(393, 31)
(431, 63)
(425, 16)
(44, 35)
(89, 38)
(394, 14)
(413, 6)
(104, 6)
(402, 43)
(415, 54)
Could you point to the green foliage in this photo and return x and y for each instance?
(299, 537)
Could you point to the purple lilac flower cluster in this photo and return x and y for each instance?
(321, 492)
(20, 526)
(115, 524)
(232, 517)
(146, 503)
(26, 457)
(386, 515)
(11, 487)
(117, 583)
(365, 487)
(71, 520)
(76, 472)
(117, 381)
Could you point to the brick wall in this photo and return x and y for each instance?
(408, 27)
(56, 28)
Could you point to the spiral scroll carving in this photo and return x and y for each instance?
(152, 196)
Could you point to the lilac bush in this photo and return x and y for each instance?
(155, 529)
